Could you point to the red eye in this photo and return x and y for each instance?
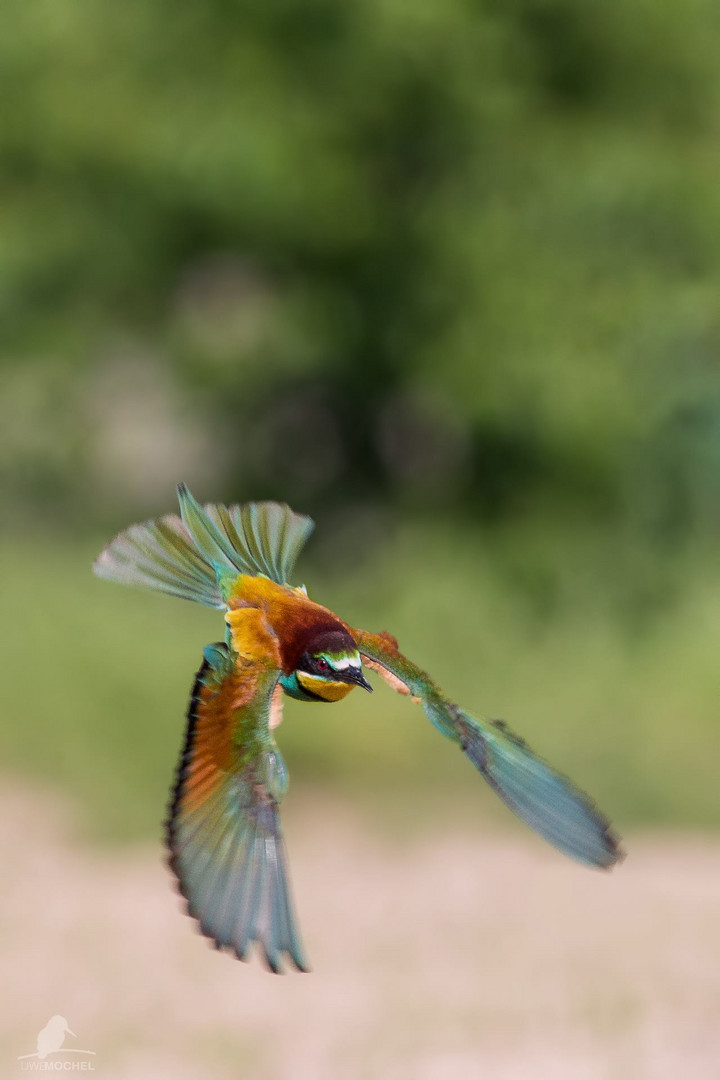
(323, 664)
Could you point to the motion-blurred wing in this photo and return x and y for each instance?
(223, 832)
(545, 799)
(162, 555)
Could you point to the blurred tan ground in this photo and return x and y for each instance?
(447, 956)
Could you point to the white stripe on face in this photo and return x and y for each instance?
(346, 662)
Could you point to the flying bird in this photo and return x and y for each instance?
(223, 829)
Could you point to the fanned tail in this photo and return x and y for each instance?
(190, 556)
(255, 538)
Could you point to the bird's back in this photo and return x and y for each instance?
(290, 614)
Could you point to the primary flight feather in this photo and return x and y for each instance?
(223, 829)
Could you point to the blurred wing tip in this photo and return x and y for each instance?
(300, 963)
(109, 567)
(293, 960)
(613, 853)
(217, 944)
(273, 962)
(279, 962)
(616, 853)
(184, 494)
(103, 564)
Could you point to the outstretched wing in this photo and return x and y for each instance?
(223, 830)
(545, 799)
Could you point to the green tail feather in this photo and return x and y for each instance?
(256, 538)
(192, 557)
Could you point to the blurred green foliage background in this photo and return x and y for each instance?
(442, 274)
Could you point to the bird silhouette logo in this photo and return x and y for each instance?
(51, 1038)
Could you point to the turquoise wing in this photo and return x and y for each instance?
(545, 799)
(223, 830)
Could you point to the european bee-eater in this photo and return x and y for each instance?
(223, 830)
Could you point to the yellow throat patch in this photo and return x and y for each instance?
(327, 690)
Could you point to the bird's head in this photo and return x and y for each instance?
(330, 666)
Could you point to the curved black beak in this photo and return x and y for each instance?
(355, 676)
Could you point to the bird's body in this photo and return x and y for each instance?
(292, 620)
(223, 829)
